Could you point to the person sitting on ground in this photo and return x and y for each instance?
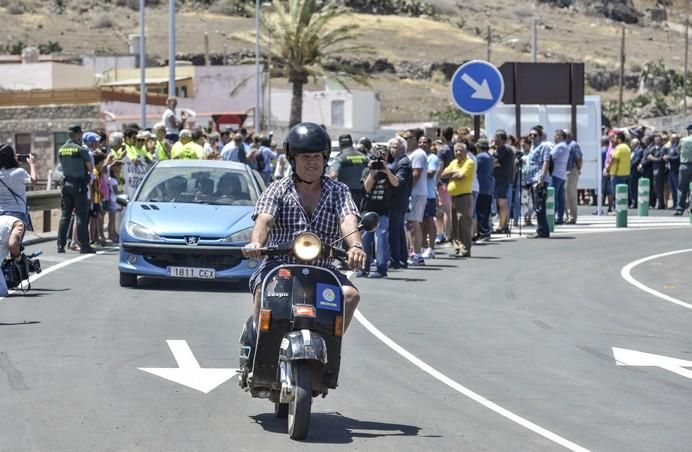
(11, 233)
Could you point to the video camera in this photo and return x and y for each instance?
(18, 271)
(377, 157)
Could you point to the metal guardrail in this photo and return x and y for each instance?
(44, 200)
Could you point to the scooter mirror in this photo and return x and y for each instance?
(369, 222)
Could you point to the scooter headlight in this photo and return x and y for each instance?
(307, 246)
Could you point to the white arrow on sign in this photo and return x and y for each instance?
(188, 372)
(481, 90)
(624, 357)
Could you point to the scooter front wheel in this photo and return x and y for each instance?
(299, 408)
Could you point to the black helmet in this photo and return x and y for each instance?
(305, 138)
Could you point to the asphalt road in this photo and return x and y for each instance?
(509, 350)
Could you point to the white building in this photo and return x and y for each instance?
(45, 75)
(203, 91)
(340, 110)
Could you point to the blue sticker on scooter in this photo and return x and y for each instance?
(328, 297)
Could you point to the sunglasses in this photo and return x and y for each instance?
(533, 135)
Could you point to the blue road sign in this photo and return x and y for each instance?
(476, 87)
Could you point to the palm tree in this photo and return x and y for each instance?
(302, 45)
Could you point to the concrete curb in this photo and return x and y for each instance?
(32, 238)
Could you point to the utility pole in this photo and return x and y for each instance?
(534, 38)
(622, 75)
(269, 82)
(258, 100)
(171, 48)
(206, 48)
(490, 39)
(142, 68)
(684, 73)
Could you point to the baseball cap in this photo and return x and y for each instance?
(74, 128)
(345, 141)
(91, 137)
(143, 135)
(689, 126)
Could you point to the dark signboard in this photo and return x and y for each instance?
(543, 83)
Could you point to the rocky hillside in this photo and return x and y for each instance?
(418, 42)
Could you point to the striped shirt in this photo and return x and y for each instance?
(281, 201)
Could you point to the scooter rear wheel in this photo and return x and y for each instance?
(281, 410)
(299, 408)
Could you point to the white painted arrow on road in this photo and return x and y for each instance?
(481, 90)
(624, 357)
(188, 372)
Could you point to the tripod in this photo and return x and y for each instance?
(516, 191)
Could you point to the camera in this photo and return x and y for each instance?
(377, 157)
(377, 164)
(17, 271)
(22, 157)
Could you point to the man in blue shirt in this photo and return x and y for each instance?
(486, 188)
(574, 164)
(538, 173)
(560, 156)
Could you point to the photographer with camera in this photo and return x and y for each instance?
(11, 232)
(378, 183)
(13, 183)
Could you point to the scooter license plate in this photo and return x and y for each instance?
(191, 272)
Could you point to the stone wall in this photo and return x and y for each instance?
(43, 123)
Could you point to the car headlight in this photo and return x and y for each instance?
(140, 232)
(240, 236)
(307, 246)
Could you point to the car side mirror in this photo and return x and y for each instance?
(122, 200)
(369, 222)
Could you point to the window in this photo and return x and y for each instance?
(22, 143)
(338, 113)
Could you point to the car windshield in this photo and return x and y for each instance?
(218, 186)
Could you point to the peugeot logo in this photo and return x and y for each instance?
(191, 240)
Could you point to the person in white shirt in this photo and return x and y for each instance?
(13, 183)
(419, 195)
(170, 120)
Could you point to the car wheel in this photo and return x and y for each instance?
(128, 279)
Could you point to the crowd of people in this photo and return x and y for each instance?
(664, 158)
(453, 189)
(460, 189)
(448, 190)
(95, 167)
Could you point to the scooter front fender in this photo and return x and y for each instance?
(303, 344)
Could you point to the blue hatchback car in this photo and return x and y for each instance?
(183, 215)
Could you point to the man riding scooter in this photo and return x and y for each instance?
(306, 200)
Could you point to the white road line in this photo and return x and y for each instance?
(626, 274)
(465, 391)
(56, 267)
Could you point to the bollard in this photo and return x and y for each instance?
(621, 205)
(550, 209)
(643, 197)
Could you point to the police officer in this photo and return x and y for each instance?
(348, 168)
(76, 166)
